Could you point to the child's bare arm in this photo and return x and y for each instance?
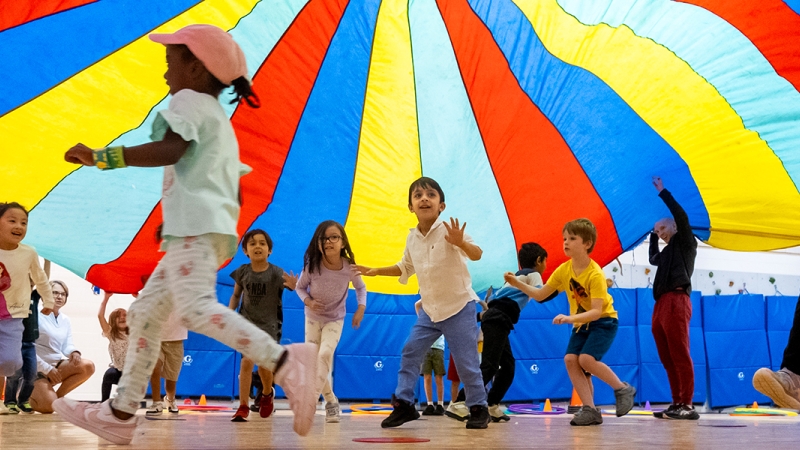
(455, 236)
(236, 297)
(153, 154)
(389, 271)
(584, 317)
(538, 294)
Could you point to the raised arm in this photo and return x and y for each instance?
(655, 253)
(680, 216)
(455, 235)
(101, 315)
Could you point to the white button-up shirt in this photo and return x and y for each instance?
(54, 342)
(445, 286)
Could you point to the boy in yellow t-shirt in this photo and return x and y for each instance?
(592, 315)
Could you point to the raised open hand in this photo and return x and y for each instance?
(455, 233)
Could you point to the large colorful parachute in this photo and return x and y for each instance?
(529, 113)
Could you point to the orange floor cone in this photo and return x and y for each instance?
(547, 406)
(202, 401)
(755, 405)
(574, 404)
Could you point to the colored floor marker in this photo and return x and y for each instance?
(391, 440)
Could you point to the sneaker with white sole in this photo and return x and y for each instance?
(170, 405)
(332, 412)
(783, 386)
(4, 410)
(458, 411)
(97, 418)
(296, 377)
(498, 414)
(155, 410)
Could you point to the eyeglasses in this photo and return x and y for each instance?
(59, 294)
(334, 239)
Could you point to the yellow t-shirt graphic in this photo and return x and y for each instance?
(591, 283)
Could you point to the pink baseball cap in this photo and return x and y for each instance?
(214, 47)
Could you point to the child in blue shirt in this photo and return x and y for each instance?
(497, 359)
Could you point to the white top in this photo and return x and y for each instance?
(18, 268)
(201, 191)
(54, 342)
(445, 286)
(173, 329)
(439, 344)
(117, 350)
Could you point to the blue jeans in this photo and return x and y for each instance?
(22, 381)
(461, 333)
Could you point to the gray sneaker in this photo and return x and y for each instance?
(587, 416)
(155, 410)
(783, 386)
(624, 396)
(332, 412)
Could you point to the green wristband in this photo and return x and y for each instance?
(109, 158)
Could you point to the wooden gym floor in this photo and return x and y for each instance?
(196, 430)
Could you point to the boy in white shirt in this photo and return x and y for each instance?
(437, 253)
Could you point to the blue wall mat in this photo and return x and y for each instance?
(603, 394)
(780, 314)
(653, 384)
(546, 310)
(365, 377)
(625, 349)
(294, 326)
(539, 379)
(736, 346)
(209, 373)
(539, 339)
(379, 334)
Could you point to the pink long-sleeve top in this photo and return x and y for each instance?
(329, 287)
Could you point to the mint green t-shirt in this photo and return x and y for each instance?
(200, 193)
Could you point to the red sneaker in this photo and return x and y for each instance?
(241, 414)
(266, 405)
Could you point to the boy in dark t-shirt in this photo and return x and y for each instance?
(259, 287)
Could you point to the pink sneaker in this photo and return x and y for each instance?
(97, 418)
(296, 377)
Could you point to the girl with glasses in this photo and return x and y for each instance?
(323, 288)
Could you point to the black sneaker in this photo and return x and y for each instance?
(439, 410)
(429, 411)
(682, 412)
(660, 414)
(403, 412)
(478, 417)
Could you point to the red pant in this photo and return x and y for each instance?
(671, 317)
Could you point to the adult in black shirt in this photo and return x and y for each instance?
(673, 308)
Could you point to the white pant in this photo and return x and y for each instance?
(185, 281)
(326, 335)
